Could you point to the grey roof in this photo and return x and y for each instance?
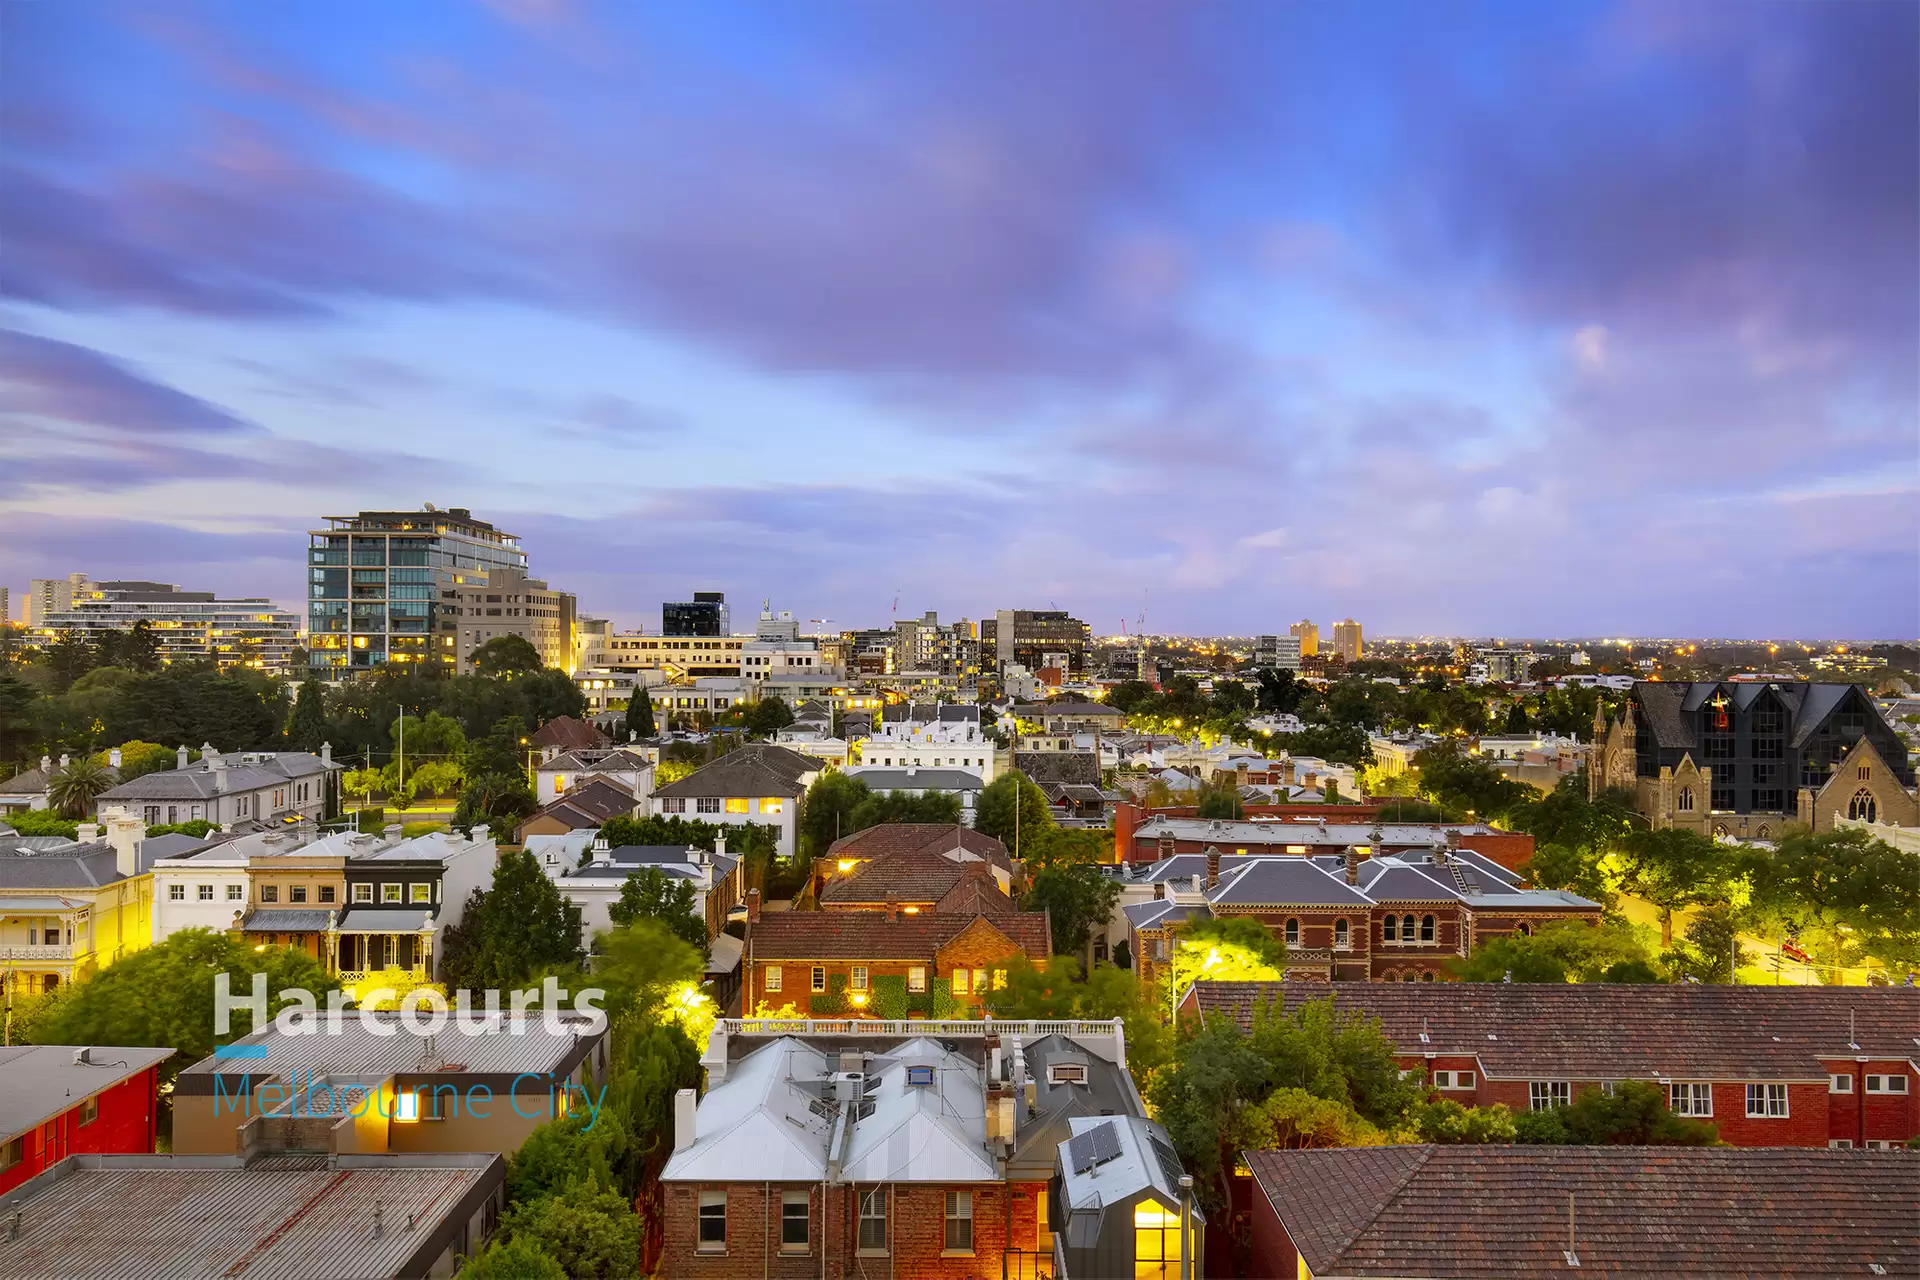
(76, 866)
(28, 782)
(1288, 880)
(886, 779)
(174, 844)
(129, 1217)
(343, 1046)
(759, 769)
(43, 1080)
(1664, 708)
(244, 771)
(1159, 911)
(1140, 1167)
(385, 920)
(1109, 1090)
(287, 920)
(596, 760)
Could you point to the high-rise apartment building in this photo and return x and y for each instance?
(51, 595)
(1029, 636)
(704, 615)
(1277, 652)
(386, 586)
(6, 615)
(1347, 642)
(190, 626)
(506, 602)
(1308, 635)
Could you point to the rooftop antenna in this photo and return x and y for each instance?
(1573, 1258)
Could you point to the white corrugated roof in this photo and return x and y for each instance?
(759, 1123)
(922, 1133)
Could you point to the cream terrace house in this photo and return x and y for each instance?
(759, 784)
(250, 786)
(68, 907)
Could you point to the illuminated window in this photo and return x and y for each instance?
(917, 978)
(770, 806)
(1156, 1240)
(406, 1106)
(420, 892)
(959, 982)
(819, 978)
(737, 804)
(859, 981)
(773, 978)
(979, 981)
(389, 893)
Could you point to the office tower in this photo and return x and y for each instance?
(5, 616)
(1278, 652)
(704, 615)
(189, 626)
(1347, 643)
(1026, 636)
(506, 602)
(51, 595)
(1308, 635)
(385, 586)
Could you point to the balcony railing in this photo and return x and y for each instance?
(58, 951)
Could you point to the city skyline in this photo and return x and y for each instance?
(1593, 321)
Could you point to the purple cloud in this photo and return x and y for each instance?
(45, 378)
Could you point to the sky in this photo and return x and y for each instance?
(1485, 319)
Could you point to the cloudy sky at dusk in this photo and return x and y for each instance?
(1494, 319)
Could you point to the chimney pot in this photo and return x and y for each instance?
(179, 758)
(1213, 868)
(113, 758)
(1353, 865)
(685, 1109)
(753, 906)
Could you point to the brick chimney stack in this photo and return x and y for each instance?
(1353, 865)
(893, 906)
(753, 906)
(1213, 868)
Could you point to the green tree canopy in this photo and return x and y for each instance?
(76, 785)
(1858, 893)
(827, 812)
(513, 931)
(650, 894)
(639, 722)
(308, 727)
(903, 806)
(507, 656)
(1674, 869)
(1010, 793)
(768, 716)
(1078, 900)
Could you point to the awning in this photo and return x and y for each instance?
(38, 906)
(296, 920)
(388, 920)
(725, 956)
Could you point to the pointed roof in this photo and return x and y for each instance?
(566, 733)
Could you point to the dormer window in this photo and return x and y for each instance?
(920, 1075)
(1066, 1073)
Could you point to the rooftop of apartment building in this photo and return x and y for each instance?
(44, 1080)
(382, 1044)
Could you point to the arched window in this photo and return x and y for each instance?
(1390, 928)
(1293, 933)
(1524, 929)
(1866, 772)
(1685, 801)
(1427, 976)
(1764, 833)
(1340, 934)
(1426, 928)
(1719, 829)
(1406, 928)
(1862, 806)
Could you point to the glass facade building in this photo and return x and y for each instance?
(190, 626)
(384, 586)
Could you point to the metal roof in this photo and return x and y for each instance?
(385, 920)
(42, 1080)
(343, 1045)
(287, 920)
(194, 1217)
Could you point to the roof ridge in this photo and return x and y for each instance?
(1393, 1193)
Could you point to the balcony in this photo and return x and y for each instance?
(57, 952)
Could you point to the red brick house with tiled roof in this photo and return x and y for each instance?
(845, 963)
(1492, 1212)
(1769, 1066)
(892, 838)
(565, 733)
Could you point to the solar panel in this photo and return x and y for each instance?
(1169, 1159)
(1094, 1146)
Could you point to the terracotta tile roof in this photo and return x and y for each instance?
(869, 935)
(1501, 1211)
(588, 805)
(759, 769)
(568, 734)
(919, 875)
(891, 839)
(1612, 1031)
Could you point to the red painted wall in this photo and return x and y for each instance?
(1270, 1247)
(125, 1125)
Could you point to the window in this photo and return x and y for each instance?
(1453, 1079)
(1684, 803)
(1543, 1094)
(1766, 1101)
(673, 806)
(389, 893)
(772, 979)
(326, 893)
(363, 893)
(1341, 940)
(1066, 1073)
(1838, 1083)
(1390, 928)
(1770, 800)
(873, 1221)
(1721, 798)
(713, 1222)
(1862, 806)
(959, 1222)
(406, 1106)
(917, 978)
(1866, 772)
(1426, 928)
(176, 893)
(1883, 1144)
(706, 804)
(269, 893)
(770, 806)
(979, 981)
(819, 978)
(1406, 928)
(204, 892)
(89, 1111)
(1840, 1144)
(737, 804)
(859, 979)
(1293, 933)
(1718, 747)
(298, 893)
(1690, 1098)
(920, 1076)
(1886, 1084)
(420, 892)
(238, 893)
(12, 1153)
(959, 982)
(796, 1212)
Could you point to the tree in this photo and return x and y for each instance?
(1226, 949)
(1711, 951)
(904, 806)
(1078, 900)
(507, 656)
(74, 787)
(513, 931)
(1635, 1114)
(1673, 869)
(308, 728)
(1568, 952)
(437, 777)
(1053, 988)
(1514, 959)
(138, 759)
(1857, 893)
(768, 716)
(16, 716)
(640, 714)
(1221, 803)
(519, 1259)
(591, 1232)
(649, 893)
(359, 784)
(1517, 718)
(1007, 795)
(497, 791)
(1446, 1121)
(1467, 785)
(67, 659)
(164, 995)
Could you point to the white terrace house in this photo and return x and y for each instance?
(248, 786)
(935, 744)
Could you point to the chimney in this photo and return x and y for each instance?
(1213, 868)
(46, 763)
(720, 845)
(893, 906)
(88, 832)
(1353, 865)
(210, 756)
(1159, 890)
(179, 758)
(1167, 847)
(65, 759)
(481, 834)
(684, 1110)
(124, 833)
(393, 831)
(113, 758)
(753, 906)
(326, 754)
(1240, 773)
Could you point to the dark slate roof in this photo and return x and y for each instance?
(595, 760)
(1108, 1091)
(1059, 766)
(28, 782)
(869, 935)
(890, 839)
(1285, 880)
(1493, 1212)
(244, 770)
(757, 769)
(567, 733)
(1608, 1031)
(75, 866)
(1665, 707)
(883, 780)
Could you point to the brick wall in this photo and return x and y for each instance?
(1271, 1248)
(916, 1224)
(1859, 1117)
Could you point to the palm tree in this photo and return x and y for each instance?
(76, 785)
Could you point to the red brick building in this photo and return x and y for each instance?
(1519, 1212)
(1770, 1066)
(54, 1103)
(1142, 835)
(913, 865)
(1386, 918)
